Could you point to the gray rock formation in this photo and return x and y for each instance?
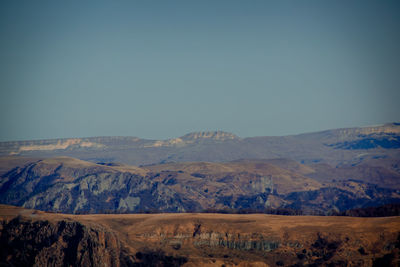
(63, 243)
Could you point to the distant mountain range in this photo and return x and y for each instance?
(335, 147)
(326, 172)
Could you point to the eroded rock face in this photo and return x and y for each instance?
(42, 243)
(236, 242)
(214, 239)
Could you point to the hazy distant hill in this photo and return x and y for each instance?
(335, 147)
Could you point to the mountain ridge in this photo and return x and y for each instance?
(71, 185)
(335, 147)
(391, 127)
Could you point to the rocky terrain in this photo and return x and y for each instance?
(316, 173)
(346, 172)
(30, 237)
(278, 186)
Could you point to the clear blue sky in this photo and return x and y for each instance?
(161, 69)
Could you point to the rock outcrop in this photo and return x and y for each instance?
(63, 243)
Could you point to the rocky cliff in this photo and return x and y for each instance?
(64, 243)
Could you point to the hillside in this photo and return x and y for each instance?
(196, 239)
(71, 185)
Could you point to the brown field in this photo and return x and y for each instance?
(245, 240)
